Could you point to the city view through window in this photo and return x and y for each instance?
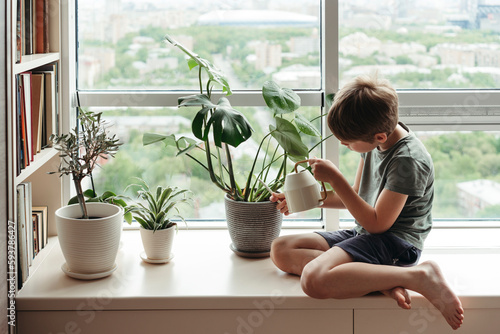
(441, 44)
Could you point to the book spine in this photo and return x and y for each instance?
(19, 23)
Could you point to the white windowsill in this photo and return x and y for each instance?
(205, 274)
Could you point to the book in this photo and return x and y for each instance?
(19, 23)
(29, 222)
(41, 211)
(36, 239)
(41, 16)
(22, 128)
(19, 144)
(23, 268)
(37, 110)
(51, 98)
(28, 27)
(50, 106)
(26, 76)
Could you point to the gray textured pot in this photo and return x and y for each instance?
(252, 226)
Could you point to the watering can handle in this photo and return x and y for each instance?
(322, 183)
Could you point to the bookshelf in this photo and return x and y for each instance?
(34, 111)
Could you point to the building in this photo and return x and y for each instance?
(268, 56)
(474, 196)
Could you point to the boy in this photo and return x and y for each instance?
(391, 201)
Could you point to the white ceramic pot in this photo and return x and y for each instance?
(90, 246)
(158, 244)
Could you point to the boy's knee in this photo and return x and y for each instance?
(316, 282)
(312, 282)
(279, 247)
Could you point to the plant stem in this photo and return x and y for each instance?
(249, 179)
(234, 193)
(77, 180)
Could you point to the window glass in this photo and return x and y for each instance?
(120, 43)
(467, 173)
(421, 44)
(159, 165)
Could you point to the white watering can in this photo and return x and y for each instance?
(302, 191)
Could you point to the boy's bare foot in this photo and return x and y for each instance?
(400, 295)
(434, 287)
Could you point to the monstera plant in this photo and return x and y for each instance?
(219, 128)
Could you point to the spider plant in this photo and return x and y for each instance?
(155, 209)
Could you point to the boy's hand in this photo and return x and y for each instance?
(282, 206)
(323, 170)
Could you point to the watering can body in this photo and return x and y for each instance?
(302, 191)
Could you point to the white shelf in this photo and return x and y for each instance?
(29, 62)
(39, 160)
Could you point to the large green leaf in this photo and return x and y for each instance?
(305, 126)
(228, 124)
(151, 138)
(289, 138)
(196, 100)
(280, 100)
(213, 72)
(183, 144)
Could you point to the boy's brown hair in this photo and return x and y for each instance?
(362, 108)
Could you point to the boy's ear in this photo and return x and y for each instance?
(381, 137)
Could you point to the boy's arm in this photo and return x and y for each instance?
(376, 219)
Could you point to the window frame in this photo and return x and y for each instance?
(460, 110)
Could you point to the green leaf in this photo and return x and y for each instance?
(196, 100)
(192, 63)
(183, 144)
(106, 195)
(289, 138)
(229, 125)
(128, 217)
(151, 138)
(280, 100)
(212, 71)
(89, 193)
(73, 200)
(305, 126)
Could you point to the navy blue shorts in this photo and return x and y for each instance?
(383, 248)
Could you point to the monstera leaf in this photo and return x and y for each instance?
(183, 144)
(289, 138)
(212, 71)
(305, 126)
(228, 125)
(280, 100)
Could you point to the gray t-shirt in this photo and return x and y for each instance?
(405, 168)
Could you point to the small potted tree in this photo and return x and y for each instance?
(89, 232)
(155, 210)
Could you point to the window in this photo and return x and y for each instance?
(442, 56)
(421, 45)
(120, 43)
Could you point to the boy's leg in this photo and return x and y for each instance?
(334, 275)
(291, 253)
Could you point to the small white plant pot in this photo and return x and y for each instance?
(90, 246)
(158, 244)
